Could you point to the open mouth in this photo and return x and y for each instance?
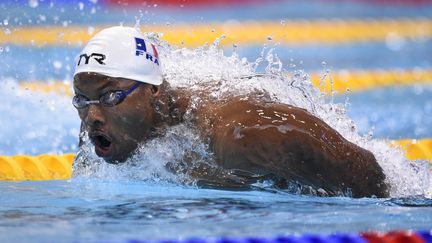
(102, 143)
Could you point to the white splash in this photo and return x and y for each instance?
(208, 68)
(150, 161)
(47, 120)
(34, 122)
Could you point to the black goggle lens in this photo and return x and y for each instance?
(112, 98)
(80, 101)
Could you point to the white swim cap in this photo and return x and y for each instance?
(121, 52)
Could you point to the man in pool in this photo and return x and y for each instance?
(123, 101)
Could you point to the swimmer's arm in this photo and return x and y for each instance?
(296, 146)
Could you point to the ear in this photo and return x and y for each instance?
(156, 90)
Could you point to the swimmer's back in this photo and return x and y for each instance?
(289, 142)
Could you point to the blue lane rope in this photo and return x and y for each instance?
(389, 237)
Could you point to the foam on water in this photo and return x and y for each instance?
(208, 69)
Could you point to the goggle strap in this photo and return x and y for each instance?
(130, 90)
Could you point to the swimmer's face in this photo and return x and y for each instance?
(115, 131)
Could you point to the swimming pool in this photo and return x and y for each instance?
(98, 210)
(117, 203)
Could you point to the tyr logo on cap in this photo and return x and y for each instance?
(141, 49)
(96, 56)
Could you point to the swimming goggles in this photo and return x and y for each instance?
(110, 98)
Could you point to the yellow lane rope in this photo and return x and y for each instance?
(42, 167)
(342, 80)
(59, 167)
(416, 148)
(59, 87)
(292, 32)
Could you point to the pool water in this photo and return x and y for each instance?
(97, 210)
(146, 202)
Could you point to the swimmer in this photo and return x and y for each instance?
(123, 101)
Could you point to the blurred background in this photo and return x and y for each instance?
(376, 53)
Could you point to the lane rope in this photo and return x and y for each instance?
(59, 167)
(41, 167)
(340, 81)
(365, 237)
(291, 32)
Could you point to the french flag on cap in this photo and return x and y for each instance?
(141, 50)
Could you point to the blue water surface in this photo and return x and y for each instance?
(22, 12)
(58, 62)
(91, 211)
(392, 112)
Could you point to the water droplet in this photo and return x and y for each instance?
(370, 134)
(1, 49)
(283, 22)
(60, 35)
(57, 64)
(81, 6)
(269, 38)
(42, 18)
(7, 31)
(244, 61)
(235, 45)
(394, 41)
(5, 22)
(93, 10)
(213, 30)
(323, 63)
(33, 3)
(90, 30)
(155, 5)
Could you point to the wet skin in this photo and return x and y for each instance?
(125, 125)
(289, 142)
(244, 133)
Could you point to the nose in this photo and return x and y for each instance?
(94, 116)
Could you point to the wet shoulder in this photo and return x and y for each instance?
(249, 111)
